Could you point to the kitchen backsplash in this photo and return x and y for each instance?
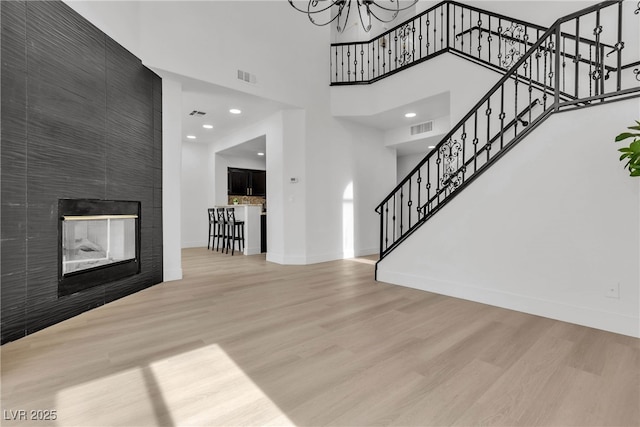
(248, 200)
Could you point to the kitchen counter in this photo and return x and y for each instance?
(250, 214)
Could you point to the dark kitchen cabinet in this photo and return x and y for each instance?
(246, 182)
(237, 182)
(259, 183)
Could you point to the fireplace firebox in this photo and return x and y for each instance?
(99, 242)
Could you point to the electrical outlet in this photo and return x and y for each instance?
(612, 291)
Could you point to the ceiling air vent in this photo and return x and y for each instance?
(246, 77)
(197, 113)
(422, 128)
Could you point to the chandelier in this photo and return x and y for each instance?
(320, 12)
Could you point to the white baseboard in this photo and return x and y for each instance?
(608, 321)
(172, 274)
(367, 251)
(198, 244)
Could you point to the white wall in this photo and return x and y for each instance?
(119, 19)
(466, 82)
(356, 155)
(286, 230)
(171, 178)
(405, 164)
(204, 43)
(195, 186)
(211, 40)
(546, 230)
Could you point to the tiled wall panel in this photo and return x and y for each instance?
(81, 118)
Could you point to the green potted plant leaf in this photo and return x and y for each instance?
(632, 152)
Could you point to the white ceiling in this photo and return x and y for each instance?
(249, 148)
(426, 109)
(216, 101)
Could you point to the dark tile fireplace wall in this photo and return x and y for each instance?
(81, 119)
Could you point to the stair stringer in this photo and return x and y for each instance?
(544, 233)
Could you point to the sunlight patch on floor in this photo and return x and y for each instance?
(109, 400)
(199, 387)
(214, 391)
(362, 260)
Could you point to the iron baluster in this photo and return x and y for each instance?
(576, 59)
(453, 13)
(349, 63)
(475, 141)
(389, 52)
(590, 70)
(544, 71)
(401, 210)
(463, 138)
(386, 230)
(499, 41)
(597, 74)
(435, 32)
(394, 64)
(448, 27)
(342, 62)
(428, 186)
(470, 35)
(538, 55)
(489, 37)
(420, 36)
(441, 27)
(381, 233)
(371, 60)
(413, 41)
(515, 82)
(619, 47)
(479, 34)
(410, 203)
(502, 116)
(488, 113)
(556, 93)
(418, 182)
(438, 162)
(462, 26)
(564, 64)
(394, 219)
(362, 62)
(530, 89)
(427, 22)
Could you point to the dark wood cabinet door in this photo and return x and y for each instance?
(237, 181)
(258, 183)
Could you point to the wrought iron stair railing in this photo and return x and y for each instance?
(439, 29)
(490, 39)
(549, 77)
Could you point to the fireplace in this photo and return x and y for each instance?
(99, 242)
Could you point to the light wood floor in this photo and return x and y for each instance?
(240, 341)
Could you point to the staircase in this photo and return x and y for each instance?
(578, 62)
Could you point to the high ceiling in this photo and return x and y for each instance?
(216, 101)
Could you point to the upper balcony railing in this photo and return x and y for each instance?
(490, 39)
(569, 66)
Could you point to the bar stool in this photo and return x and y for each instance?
(221, 229)
(213, 222)
(235, 231)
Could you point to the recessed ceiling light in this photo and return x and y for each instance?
(432, 146)
(260, 154)
(207, 126)
(235, 111)
(191, 136)
(410, 115)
